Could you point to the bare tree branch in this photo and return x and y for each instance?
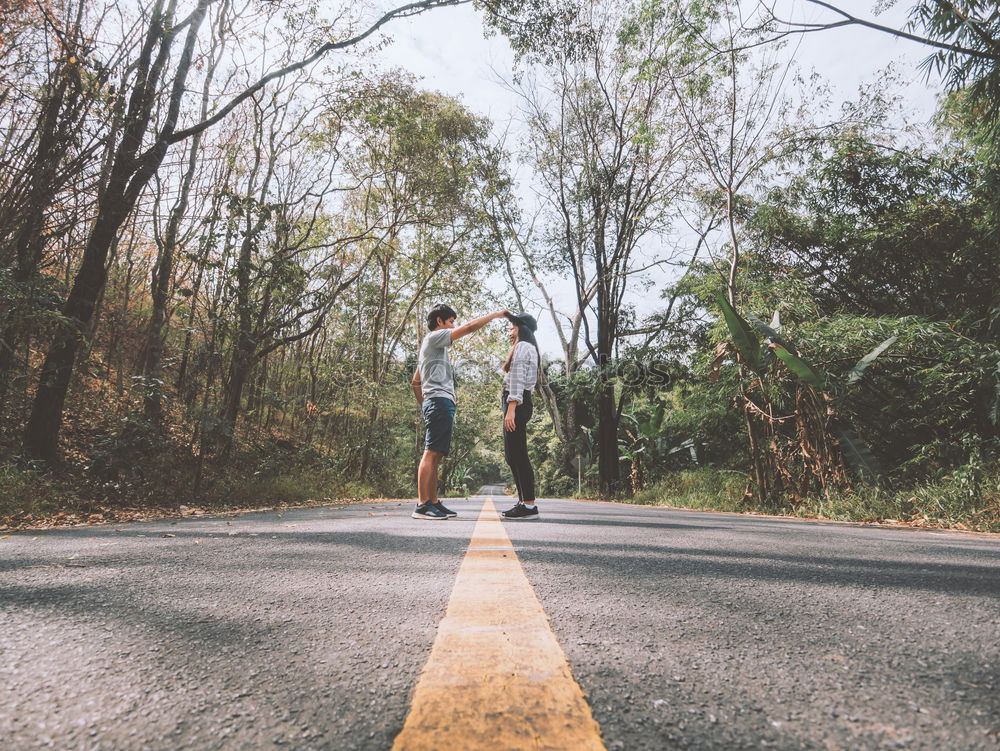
(846, 19)
(404, 11)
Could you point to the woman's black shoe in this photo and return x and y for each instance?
(520, 512)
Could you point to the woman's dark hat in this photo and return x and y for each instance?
(523, 319)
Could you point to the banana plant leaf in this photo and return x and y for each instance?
(648, 427)
(858, 455)
(744, 338)
(646, 430)
(803, 370)
(771, 333)
(855, 373)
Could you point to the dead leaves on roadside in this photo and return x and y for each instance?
(112, 515)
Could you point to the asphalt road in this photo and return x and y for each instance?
(308, 630)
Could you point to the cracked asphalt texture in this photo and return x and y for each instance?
(308, 629)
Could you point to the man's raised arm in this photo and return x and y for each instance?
(467, 328)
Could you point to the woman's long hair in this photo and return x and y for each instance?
(524, 334)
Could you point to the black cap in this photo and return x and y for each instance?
(523, 319)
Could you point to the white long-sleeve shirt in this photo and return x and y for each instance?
(523, 372)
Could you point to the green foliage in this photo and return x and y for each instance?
(806, 428)
(876, 230)
(743, 336)
(27, 492)
(289, 475)
(973, 62)
(539, 29)
(119, 450)
(967, 498)
(802, 369)
(703, 488)
(881, 250)
(265, 474)
(644, 428)
(858, 455)
(919, 398)
(552, 460)
(855, 373)
(32, 305)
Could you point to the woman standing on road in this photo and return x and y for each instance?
(520, 376)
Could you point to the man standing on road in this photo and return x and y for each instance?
(434, 387)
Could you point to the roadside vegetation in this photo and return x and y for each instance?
(953, 502)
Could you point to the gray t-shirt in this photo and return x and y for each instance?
(436, 378)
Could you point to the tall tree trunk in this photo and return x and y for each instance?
(607, 412)
(129, 176)
(375, 380)
(29, 242)
(41, 435)
(202, 262)
(607, 440)
(163, 273)
(244, 347)
(239, 372)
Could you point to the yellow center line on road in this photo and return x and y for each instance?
(496, 678)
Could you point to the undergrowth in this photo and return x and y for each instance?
(116, 468)
(164, 487)
(955, 501)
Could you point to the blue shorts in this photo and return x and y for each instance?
(439, 419)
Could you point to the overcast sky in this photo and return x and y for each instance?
(449, 52)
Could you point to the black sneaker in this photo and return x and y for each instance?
(428, 511)
(447, 511)
(520, 512)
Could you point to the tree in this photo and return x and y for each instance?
(606, 150)
(966, 37)
(162, 278)
(878, 230)
(292, 257)
(738, 119)
(425, 164)
(154, 89)
(515, 240)
(55, 118)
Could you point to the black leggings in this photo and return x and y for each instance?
(515, 449)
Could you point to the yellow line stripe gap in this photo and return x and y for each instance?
(496, 679)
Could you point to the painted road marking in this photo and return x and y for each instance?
(497, 679)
